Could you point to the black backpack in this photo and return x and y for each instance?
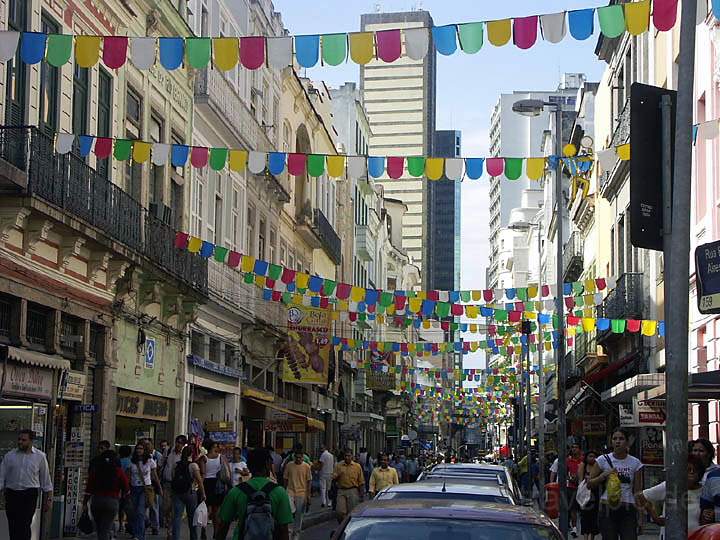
(182, 479)
(259, 520)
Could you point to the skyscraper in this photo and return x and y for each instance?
(400, 102)
(443, 220)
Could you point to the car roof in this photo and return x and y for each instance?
(471, 467)
(448, 508)
(450, 487)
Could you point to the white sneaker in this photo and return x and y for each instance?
(573, 532)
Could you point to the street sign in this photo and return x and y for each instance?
(150, 353)
(646, 164)
(85, 407)
(707, 270)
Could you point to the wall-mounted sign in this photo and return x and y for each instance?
(85, 408)
(651, 446)
(137, 405)
(627, 417)
(150, 353)
(649, 412)
(27, 381)
(286, 426)
(707, 270)
(74, 386)
(594, 425)
(228, 371)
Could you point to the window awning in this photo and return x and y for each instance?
(33, 358)
(281, 413)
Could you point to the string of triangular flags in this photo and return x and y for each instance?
(315, 165)
(387, 45)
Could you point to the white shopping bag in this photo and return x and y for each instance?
(200, 519)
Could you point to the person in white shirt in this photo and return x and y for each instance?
(171, 457)
(142, 472)
(327, 467)
(238, 468)
(645, 498)
(24, 473)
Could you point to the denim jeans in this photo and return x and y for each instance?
(138, 502)
(187, 502)
(299, 504)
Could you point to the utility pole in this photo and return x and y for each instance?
(677, 273)
(541, 387)
(528, 412)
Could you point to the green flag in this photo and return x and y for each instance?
(334, 49)
(59, 49)
(471, 37)
(123, 148)
(198, 52)
(218, 157)
(316, 165)
(513, 168)
(416, 166)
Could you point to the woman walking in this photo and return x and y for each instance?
(589, 469)
(188, 492)
(216, 479)
(142, 472)
(106, 486)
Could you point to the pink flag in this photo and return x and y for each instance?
(525, 31)
(601, 283)
(389, 45)
(103, 147)
(488, 295)
(664, 14)
(633, 325)
(288, 276)
(395, 167)
(296, 164)
(495, 166)
(115, 51)
(199, 156)
(252, 51)
(181, 240)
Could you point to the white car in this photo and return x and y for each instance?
(471, 472)
(451, 490)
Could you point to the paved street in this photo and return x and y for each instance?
(320, 532)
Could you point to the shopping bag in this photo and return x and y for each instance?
(583, 494)
(85, 524)
(200, 519)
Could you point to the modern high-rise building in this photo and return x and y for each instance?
(400, 102)
(442, 251)
(514, 135)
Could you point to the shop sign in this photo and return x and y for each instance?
(381, 376)
(85, 408)
(651, 447)
(72, 502)
(307, 357)
(650, 412)
(149, 353)
(74, 454)
(594, 425)
(200, 362)
(287, 426)
(428, 428)
(74, 387)
(627, 418)
(223, 437)
(138, 405)
(350, 432)
(27, 381)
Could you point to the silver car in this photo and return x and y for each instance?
(472, 471)
(451, 490)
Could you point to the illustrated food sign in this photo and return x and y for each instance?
(382, 375)
(707, 270)
(308, 347)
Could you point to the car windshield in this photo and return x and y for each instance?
(434, 495)
(393, 528)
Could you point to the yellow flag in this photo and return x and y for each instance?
(570, 331)
(237, 160)
(87, 50)
(434, 168)
(411, 347)
(623, 151)
(336, 166)
(472, 312)
(415, 304)
(476, 295)
(260, 281)
(426, 324)
(247, 263)
(532, 291)
(302, 280)
(499, 31)
(589, 299)
(588, 324)
(194, 244)
(357, 294)
(637, 17)
(548, 346)
(530, 315)
(649, 328)
(335, 316)
(141, 151)
(227, 52)
(342, 305)
(534, 168)
(362, 47)
(422, 295)
(390, 309)
(589, 285)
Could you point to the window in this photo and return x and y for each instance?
(250, 231)
(214, 352)
(283, 253)
(17, 70)
(613, 257)
(218, 219)
(36, 327)
(5, 316)
(271, 247)
(230, 356)
(197, 344)
(621, 246)
(701, 351)
(286, 137)
(133, 129)
(276, 116)
(197, 211)
(71, 329)
(49, 83)
(81, 99)
(701, 162)
(104, 120)
(265, 120)
(157, 176)
(261, 239)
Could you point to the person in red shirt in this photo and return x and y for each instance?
(573, 461)
(106, 485)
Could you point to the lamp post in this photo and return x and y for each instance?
(534, 108)
(527, 226)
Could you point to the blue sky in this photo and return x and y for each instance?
(468, 86)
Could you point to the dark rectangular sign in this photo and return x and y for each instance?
(646, 151)
(707, 270)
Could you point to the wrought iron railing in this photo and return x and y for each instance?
(626, 300)
(66, 181)
(585, 345)
(621, 135)
(330, 240)
(573, 257)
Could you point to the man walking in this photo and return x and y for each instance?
(24, 473)
(383, 476)
(327, 467)
(297, 476)
(169, 462)
(351, 485)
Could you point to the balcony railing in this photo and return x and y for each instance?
(585, 346)
(621, 135)
(364, 242)
(625, 301)
(573, 257)
(67, 182)
(330, 240)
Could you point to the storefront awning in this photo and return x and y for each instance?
(281, 413)
(33, 358)
(701, 387)
(260, 396)
(625, 390)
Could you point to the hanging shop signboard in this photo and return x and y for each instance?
(74, 386)
(649, 412)
(220, 369)
(707, 270)
(381, 376)
(24, 380)
(627, 417)
(138, 405)
(594, 425)
(308, 346)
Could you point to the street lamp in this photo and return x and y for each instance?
(533, 108)
(524, 226)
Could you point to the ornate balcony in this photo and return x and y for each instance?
(610, 181)
(573, 257)
(328, 237)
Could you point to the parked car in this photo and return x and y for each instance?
(435, 519)
(471, 471)
(450, 489)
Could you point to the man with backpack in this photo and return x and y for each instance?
(261, 507)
